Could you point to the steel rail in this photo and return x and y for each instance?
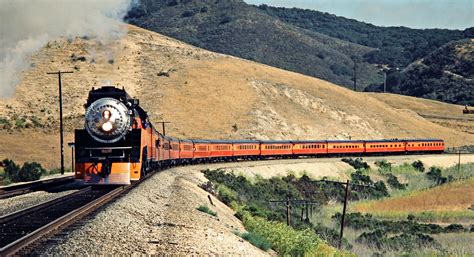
(58, 224)
(23, 188)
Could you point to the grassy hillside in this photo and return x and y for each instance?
(235, 28)
(204, 95)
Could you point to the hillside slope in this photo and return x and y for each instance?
(446, 74)
(236, 28)
(203, 95)
(396, 46)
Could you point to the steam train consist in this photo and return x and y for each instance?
(119, 145)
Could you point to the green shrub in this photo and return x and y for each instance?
(384, 165)
(31, 171)
(356, 163)
(256, 240)
(364, 188)
(379, 240)
(454, 228)
(287, 241)
(11, 170)
(435, 175)
(20, 122)
(394, 183)
(206, 209)
(226, 195)
(419, 166)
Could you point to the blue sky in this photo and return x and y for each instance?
(452, 14)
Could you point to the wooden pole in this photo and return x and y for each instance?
(288, 206)
(61, 116)
(459, 162)
(341, 234)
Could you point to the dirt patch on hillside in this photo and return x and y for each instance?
(456, 196)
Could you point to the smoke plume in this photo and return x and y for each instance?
(26, 26)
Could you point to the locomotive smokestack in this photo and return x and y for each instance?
(26, 26)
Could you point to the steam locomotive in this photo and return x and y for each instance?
(119, 145)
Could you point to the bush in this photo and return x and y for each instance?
(226, 195)
(11, 170)
(187, 14)
(435, 175)
(383, 164)
(256, 240)
(206, 209)
(394, 183)
(419, 166)
(454, 228)
(30, 171)
(356, 163)
(285, 240)
(379, 240)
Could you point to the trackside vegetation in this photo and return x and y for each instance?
(205, 209)
(261, 206)
(30, 171)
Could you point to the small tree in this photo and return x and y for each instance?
(11, 169)
(31, 171)
(418, 165)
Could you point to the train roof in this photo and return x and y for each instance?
(344, 141)
(212, 141)
(308, 141)
(245, 141)
(384, 140)
(276, 142)
(424, 140)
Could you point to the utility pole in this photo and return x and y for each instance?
(346, 198)
(459, 162)
(385, 81)
(290, 202)
(60, 115)
(355, 75)
(341, 234)
(163, 126)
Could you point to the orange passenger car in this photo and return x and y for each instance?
(276, 148)
(221, 148)
(246, 148)
(309, 147)
(202, 149)
(345, 147)
(186, 149)
(384, 146)
(425, 145)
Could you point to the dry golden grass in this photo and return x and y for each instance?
(456, 196)
(205, 96)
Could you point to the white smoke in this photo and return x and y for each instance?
(27, 25)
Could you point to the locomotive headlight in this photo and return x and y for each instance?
(106, 114)
(107, 120)
(107, 126)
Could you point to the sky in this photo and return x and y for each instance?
(450, 14)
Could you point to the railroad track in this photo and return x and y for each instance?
(20, 231)
(19, 189)
(23, 228)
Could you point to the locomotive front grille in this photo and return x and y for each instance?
(102, 153)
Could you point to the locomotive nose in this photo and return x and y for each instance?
(107, 120)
